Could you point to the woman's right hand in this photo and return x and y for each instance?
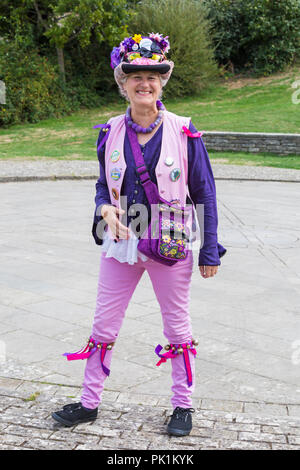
(111, 216)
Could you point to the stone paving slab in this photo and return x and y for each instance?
(246, 320)
(135, 424)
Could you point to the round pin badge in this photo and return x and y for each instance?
(175, 174)
(115, 156)
(115, 193)
(115, 174)
(169, 161)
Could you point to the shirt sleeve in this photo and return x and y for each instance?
(102, 192)
(202, 190)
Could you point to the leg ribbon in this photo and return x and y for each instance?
(174, 350)
(90, 349)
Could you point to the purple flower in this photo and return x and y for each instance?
(128, 43)
(115, 57)
(165, 44)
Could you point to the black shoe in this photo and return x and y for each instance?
(181, 422)
(75, 413)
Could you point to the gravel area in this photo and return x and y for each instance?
(79, 169)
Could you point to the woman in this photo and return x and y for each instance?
(177, 162)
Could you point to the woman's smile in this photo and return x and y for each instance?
(143, 86)
(141, 92)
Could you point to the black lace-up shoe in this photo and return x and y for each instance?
(181, 422)
(75, 413)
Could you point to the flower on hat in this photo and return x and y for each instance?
(127, 44)
(137, 38)
(163, 41)
(115, 57)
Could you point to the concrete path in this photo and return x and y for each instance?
(246, 319)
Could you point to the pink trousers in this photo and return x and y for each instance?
(117, 282)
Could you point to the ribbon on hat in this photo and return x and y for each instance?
(190, 134)
(172, 354)
(88, 351)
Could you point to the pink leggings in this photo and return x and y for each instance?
(117, 282)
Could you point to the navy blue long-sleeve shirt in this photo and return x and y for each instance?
(201, 186)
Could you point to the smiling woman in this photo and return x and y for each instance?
(140, 77)
(148, 157)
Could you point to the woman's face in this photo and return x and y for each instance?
(143, 88)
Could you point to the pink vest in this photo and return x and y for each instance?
(173, 150)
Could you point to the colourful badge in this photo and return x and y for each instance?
(175, 174)
(169, 161)
(115, 174)
(115, 156)
(115, 193)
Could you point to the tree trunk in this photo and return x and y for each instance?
(61, 63)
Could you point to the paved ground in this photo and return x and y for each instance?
(246, 320)
(130, 421)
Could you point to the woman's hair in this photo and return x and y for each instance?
(122, 79)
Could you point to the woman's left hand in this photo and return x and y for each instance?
(208, 271)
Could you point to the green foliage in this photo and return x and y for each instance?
(71, 19)
(30, 33)
(184, 21)
(261, 36)
(33, 88)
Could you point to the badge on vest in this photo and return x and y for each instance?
(169, 161)
(175, 174)
(115, 156)
(115, 193)
(115, 174)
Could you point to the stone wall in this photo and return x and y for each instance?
(255, 142)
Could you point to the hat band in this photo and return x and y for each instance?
(132, 56)
(144, 61)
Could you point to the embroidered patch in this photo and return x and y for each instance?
(175, 174)
(115, 156)
(115, 174)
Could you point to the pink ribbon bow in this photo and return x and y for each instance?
(171, 354)
(190, 134)
(88, 351)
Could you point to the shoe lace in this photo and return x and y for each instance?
(71, 406)
(76, 407)
(181, 413)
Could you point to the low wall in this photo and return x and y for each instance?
(255, 142)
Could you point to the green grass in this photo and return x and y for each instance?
(262, 105)
(32, 397)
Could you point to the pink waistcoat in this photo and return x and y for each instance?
(174, 146)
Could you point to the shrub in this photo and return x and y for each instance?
(184, 21)
(261, 36)
(33, 88)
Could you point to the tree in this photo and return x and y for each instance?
(63, 21)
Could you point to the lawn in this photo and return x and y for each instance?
(237, 104)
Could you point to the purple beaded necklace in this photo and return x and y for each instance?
(145, 130)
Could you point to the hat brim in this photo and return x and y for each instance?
(131, 68)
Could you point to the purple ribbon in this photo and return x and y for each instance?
(88, 351)
(103, 126)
